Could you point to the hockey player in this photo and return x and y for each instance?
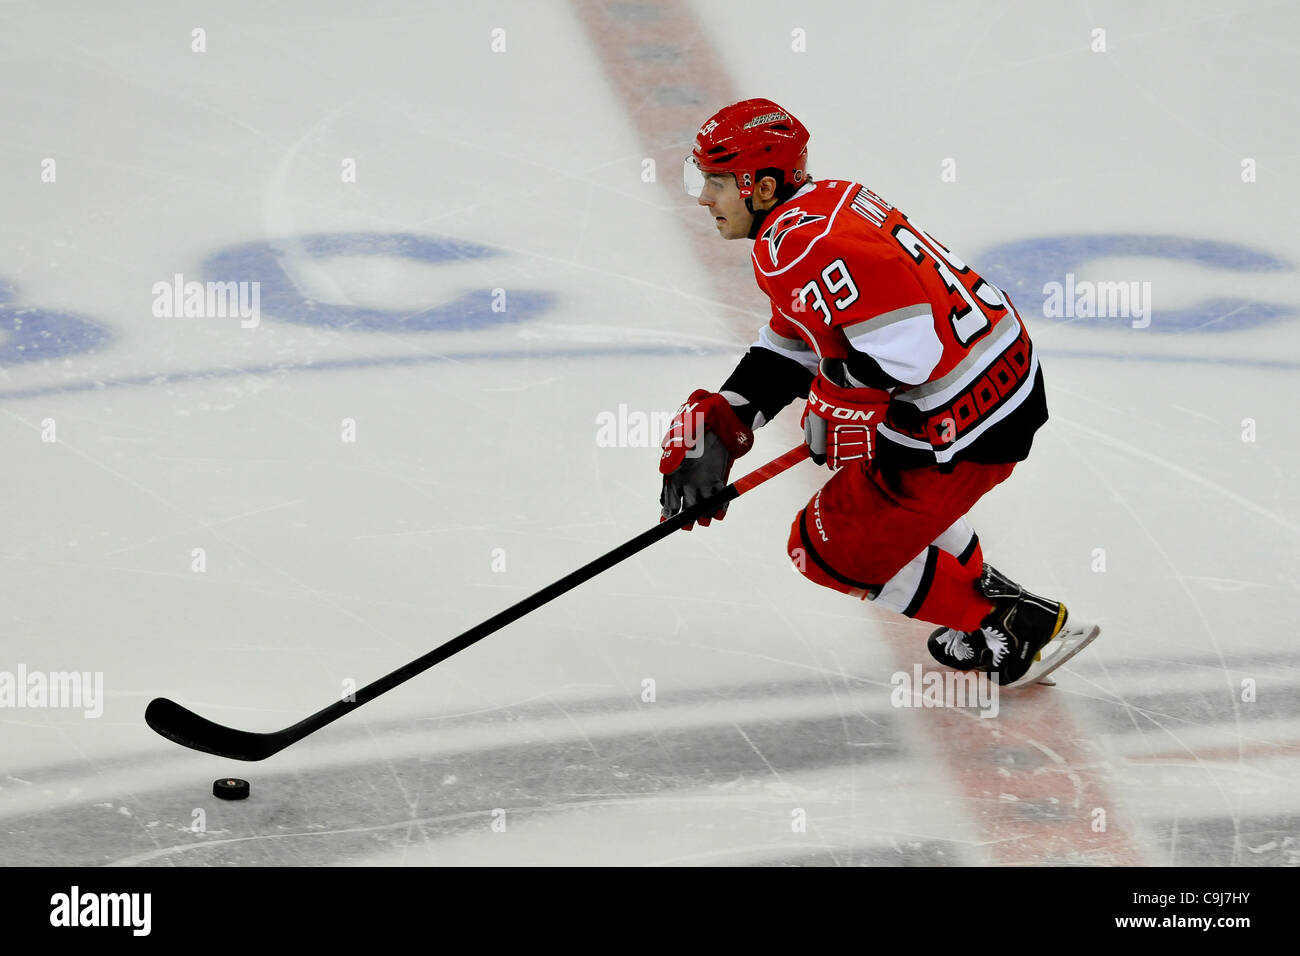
(922, 390)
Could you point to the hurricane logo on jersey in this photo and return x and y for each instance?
(784, 224)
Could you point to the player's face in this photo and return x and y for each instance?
(722, 197)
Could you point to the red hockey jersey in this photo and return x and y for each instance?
(849, 276)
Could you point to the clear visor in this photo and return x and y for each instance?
(692, 177)
(697, 180)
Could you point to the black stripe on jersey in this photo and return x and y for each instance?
(768, 381)
(923, 587)
(871, 589)
(1011, 438)
(867, 370)
(1007, 441)
(970, 549)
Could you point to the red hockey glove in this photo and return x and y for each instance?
(839, 424)
(703, 440)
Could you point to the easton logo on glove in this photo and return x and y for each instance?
(839, 422)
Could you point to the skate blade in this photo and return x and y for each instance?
(1072, 639)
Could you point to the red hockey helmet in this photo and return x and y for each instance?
(743, 139)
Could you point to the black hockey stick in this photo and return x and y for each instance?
(188, 729)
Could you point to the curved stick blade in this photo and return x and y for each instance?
(188, 729)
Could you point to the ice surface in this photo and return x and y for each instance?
(476, 475)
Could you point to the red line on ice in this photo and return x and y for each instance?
(669, 79)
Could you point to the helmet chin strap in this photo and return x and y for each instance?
(759, 216)
(782, 193)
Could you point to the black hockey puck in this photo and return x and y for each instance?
(228, 788)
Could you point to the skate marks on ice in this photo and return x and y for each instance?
(1212, 777)
(716, 779)
(710, 778)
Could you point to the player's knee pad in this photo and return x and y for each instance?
(811, 564)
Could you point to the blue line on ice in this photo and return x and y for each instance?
(275, 368)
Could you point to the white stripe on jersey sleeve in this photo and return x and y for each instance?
(791, 348)
(907, 349)
(735, 398)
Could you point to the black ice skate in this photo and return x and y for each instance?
(971, 650)
(1026, 637)
(955, 649)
